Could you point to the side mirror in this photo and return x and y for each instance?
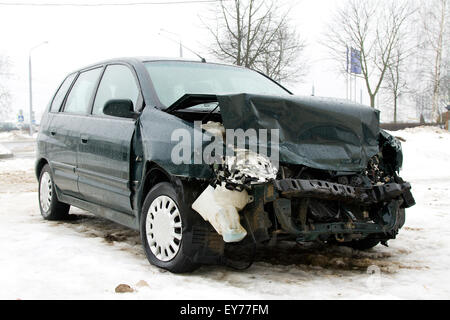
(122, 108)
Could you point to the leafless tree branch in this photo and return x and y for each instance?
(258, 34)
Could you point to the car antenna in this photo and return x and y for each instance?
(203, 60)
(192, 51)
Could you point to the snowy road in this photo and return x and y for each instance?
(89, 257)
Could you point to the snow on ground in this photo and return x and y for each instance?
(4, 152)
(89, 257)
(17, 135)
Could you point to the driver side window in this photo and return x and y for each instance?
(117, 82)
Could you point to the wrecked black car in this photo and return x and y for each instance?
(201, 157)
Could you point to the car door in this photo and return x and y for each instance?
(105, 152)
(65, 131)
(48, 144)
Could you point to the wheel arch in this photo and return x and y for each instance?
(40, 163)
(153, 175)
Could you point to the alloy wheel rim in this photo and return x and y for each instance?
(45, 191)
(164, 228)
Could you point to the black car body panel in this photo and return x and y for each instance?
(338, 176)
(319, 133)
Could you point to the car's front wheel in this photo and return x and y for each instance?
(164, 224)
(51, 208)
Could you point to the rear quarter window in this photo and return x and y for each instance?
(61, 93)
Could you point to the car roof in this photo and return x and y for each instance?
(150, 96)
(137, 61)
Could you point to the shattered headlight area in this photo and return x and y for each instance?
(244, 169)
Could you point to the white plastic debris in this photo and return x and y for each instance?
(220, 207)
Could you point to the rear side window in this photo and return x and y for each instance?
(61, 94)
(81, 93)
(117, 82)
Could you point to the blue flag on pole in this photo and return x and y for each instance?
(355, 61)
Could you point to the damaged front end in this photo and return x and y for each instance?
(337, 179)
(306, 204)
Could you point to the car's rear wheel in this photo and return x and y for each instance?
(164, 222)
(51, 208)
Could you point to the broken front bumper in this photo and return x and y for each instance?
(220, 206)
(332, 191)
(391, 198)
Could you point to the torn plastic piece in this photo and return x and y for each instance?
(220, 207)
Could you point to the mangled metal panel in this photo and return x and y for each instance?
(319, 133)
(392, 151)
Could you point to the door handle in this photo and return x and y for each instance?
(84, 139)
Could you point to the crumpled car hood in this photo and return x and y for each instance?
(320, 133)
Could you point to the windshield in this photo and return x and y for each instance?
(174, 79)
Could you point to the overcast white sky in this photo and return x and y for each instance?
(78, 36)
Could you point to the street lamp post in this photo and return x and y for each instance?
(175, 34)
(30, 85)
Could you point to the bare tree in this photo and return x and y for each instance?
(399, 76)
(5, 96)
(257, 34)
(435, 15)
(374, 28)
(396, 84)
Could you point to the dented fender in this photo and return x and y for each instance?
(156, 128)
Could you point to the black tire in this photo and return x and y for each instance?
(53, 209)
(364, 244)
(182, 261)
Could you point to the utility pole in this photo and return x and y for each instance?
(180, 44)
(346, 76)
(30, 85)
(31, 95)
